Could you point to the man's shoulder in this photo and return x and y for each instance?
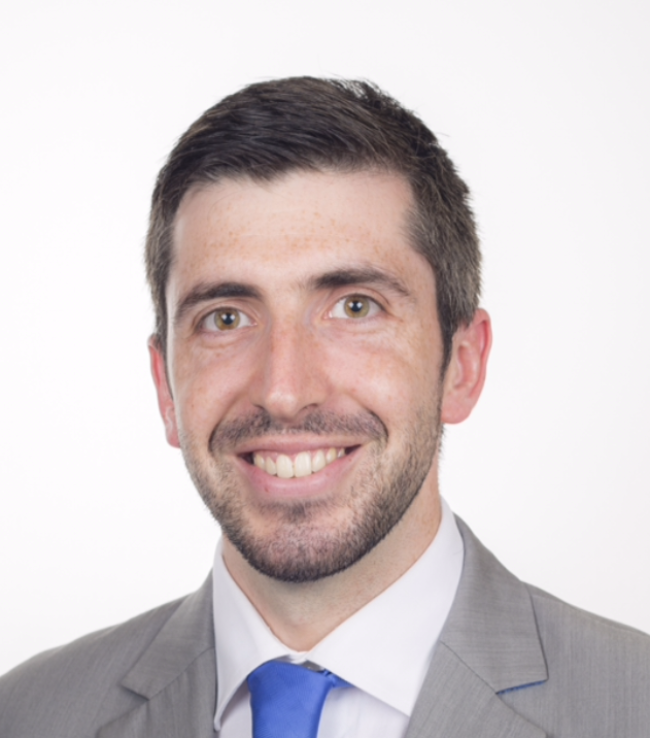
(563, 628)
(584, 639)
(598, 673)
(63, 691)
(565, 670)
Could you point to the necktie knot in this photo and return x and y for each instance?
(287, 699)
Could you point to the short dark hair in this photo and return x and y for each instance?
(311, 124)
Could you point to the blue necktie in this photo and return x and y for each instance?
(287, 699)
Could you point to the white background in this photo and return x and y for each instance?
(545, 109)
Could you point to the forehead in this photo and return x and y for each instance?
(293, 227)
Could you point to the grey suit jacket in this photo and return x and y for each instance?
(511, 662)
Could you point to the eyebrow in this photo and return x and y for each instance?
(203, 292)
(358, 275)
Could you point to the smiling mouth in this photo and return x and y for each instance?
(303, 464)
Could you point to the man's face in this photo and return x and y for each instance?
(303, 367)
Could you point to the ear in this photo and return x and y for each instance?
(465, 374)
(165, 399)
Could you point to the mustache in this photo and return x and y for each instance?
(318, 422)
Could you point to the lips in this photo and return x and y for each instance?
(302, 464)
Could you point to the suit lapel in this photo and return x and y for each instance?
(489, 645)
(456, 703)
(176, 677)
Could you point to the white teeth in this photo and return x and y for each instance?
(304, 464)
(285, 467)
(318, 461)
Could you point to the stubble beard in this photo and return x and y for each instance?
(305, 541)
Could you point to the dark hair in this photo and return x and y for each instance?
(311, 124)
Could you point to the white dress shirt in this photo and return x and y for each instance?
(383, 650)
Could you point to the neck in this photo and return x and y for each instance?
(301, 615)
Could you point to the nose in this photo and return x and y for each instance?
(291, 377)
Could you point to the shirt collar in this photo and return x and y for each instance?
(393, 673)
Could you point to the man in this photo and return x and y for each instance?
(315, 274)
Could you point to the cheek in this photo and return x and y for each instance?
(207, 385)
(389, 377)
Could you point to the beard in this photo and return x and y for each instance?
(307, 540)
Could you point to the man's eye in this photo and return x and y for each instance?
(355, 306)
(226, 319)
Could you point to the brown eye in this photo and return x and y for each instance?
(226, 319)
(356, 306)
